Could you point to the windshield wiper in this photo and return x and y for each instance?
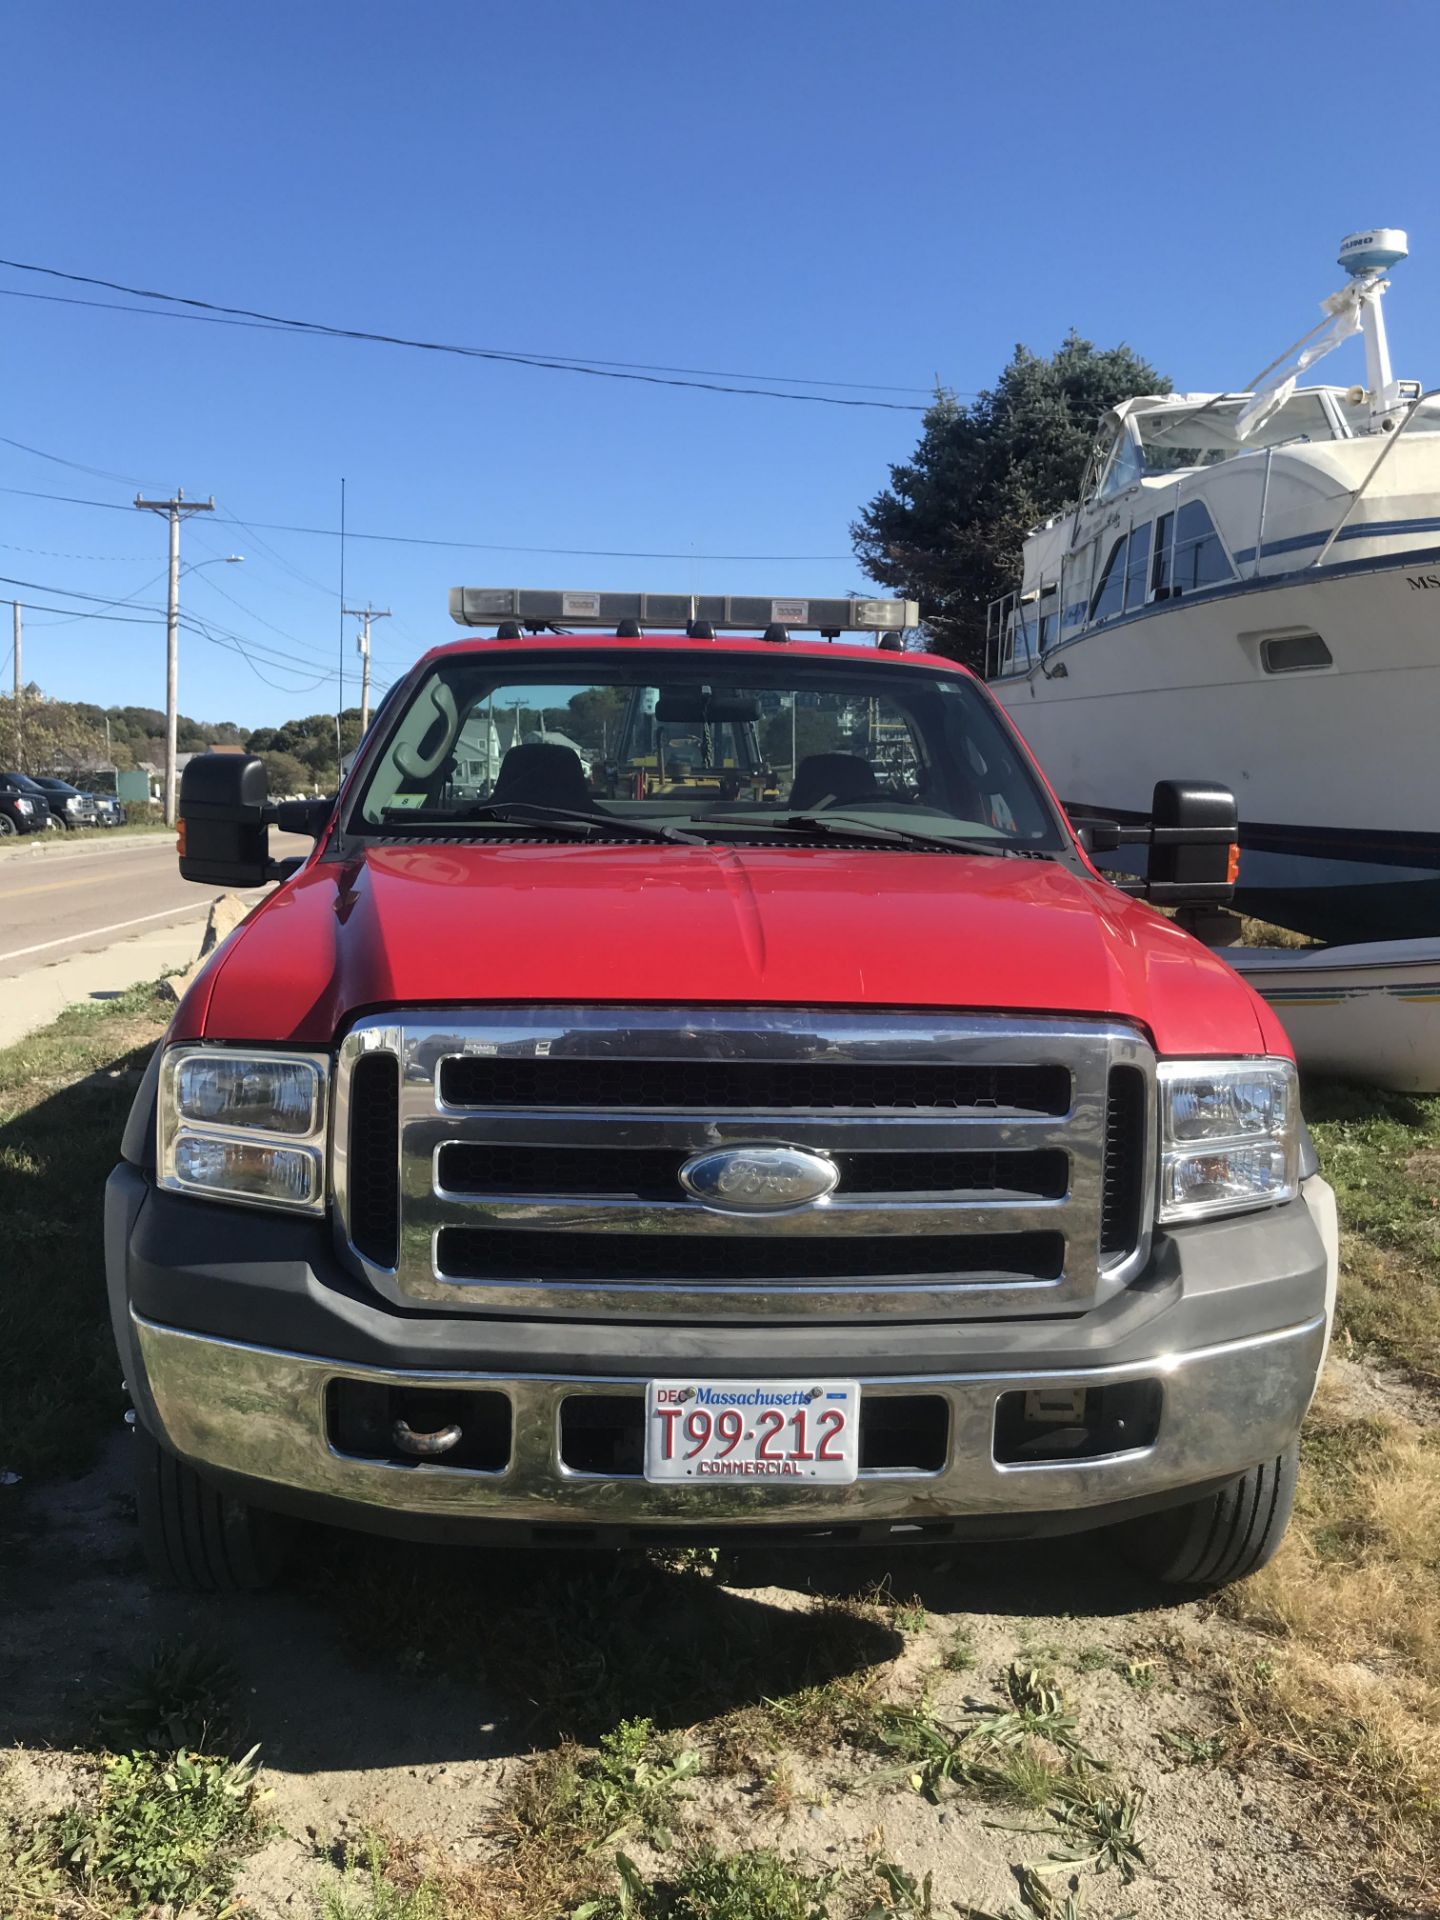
(574, 820)
(840, 826)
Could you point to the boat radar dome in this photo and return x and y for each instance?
(1373, 250)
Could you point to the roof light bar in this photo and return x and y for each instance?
(676, 612)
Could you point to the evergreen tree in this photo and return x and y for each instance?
(949, 528)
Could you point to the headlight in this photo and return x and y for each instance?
(24, 806)
(248, 1127)
(1229, 1136)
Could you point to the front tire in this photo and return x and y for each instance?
(1207, 1543)
(195, 1537)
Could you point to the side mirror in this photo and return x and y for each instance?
(1194, 844)
(224, 836)
(1192, 838)
(310, 817)
(225, 821)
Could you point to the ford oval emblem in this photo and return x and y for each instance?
(759, 1179)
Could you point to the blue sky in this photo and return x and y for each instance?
(888, 193)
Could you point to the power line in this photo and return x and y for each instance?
(53, 553)
(463, 546)
(567, 362)
(119, 619)
(228, 646)
(216, 587)
(551, 363)
(258, 540)
(75, 593)
(68, 499)
(99, 473)
(123, 600)
(211, 631)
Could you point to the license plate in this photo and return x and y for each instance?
(707, 1431)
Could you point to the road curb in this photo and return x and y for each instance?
(51, 847)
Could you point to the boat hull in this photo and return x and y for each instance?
(1333, 769)
(1369, 1013)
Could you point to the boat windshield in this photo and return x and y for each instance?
(1201, 434)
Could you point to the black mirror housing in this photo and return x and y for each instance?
(310, 817)
(1195, 827)
(224, 835)
(1192, 839)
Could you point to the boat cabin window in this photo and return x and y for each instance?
(1137, 567)
(1189, 553)
(1295, 653)
(1123, 583)
(1110, 594)
(1049, 617)
(1124, 467)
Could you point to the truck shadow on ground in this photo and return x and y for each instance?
(515, 1649)
(376, 1654)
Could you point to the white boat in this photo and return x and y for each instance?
(1369, 1012)
(1249, 591)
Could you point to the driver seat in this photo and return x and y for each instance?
(842, 777)
(542, 774)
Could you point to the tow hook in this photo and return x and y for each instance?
(424, 1446)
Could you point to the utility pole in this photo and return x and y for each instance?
(175, 510)
(365, 615)
(19, 682)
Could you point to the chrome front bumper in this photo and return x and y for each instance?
(258, 1415)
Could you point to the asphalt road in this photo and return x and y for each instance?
(58, 903)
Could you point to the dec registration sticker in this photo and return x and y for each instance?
(752, 1430)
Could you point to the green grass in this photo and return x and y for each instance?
(959, 1656)
(754, 1885)
(367, 1892)
(179, 1696)
(908, 1616)
(634, 1781)
(1348, 1689)
(1141, 1674)
(1381, 1153)
(1194, 1749)
(64, 1096)
(153, 1823)
(162, 1832)
(70, 836)
(30, 1881)
(1021, 1751)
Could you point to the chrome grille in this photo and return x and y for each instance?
(754, 1085)
(540, 1148)
(479, 1253)
(465, 1168)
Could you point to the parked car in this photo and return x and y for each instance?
(559, 1168)
(70, 807)
(109, 812)
(24, 807)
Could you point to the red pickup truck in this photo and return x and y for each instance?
(700, 1087)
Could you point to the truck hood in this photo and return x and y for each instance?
(673, 925)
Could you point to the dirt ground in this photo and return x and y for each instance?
(406, 1690)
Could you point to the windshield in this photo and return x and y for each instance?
(730, 747)
(1203, 434)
